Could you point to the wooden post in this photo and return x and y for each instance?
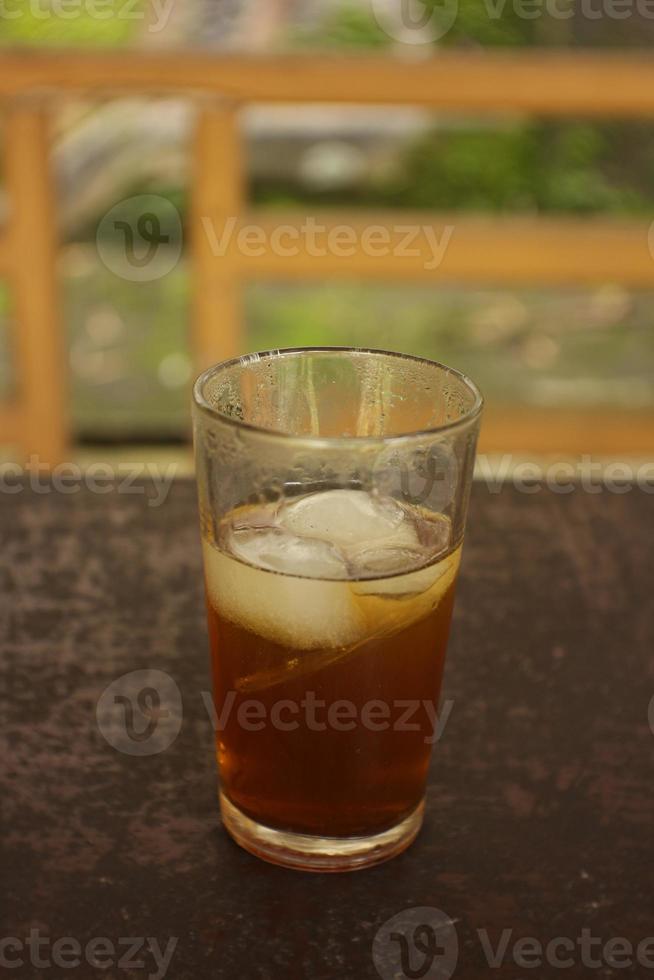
(35, 302)
(216, 203)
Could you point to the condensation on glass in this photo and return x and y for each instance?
(333, 487)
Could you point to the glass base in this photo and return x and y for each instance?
(308, 853)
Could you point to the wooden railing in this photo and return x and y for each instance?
(490, 249)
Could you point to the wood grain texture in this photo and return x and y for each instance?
(558, 83)
(424, 247)
(576, 431)
(34, 294)
(217, 197)
(540, 804)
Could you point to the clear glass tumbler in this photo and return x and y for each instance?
(333, 487)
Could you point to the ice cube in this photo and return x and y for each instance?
(350, 519)
(376, 559)
(435, 579)
(278, 550)
(391, 604)
(301, 613)
(296, 573)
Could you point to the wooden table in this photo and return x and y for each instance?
(541, 800)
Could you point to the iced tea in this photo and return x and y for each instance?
(329, 615)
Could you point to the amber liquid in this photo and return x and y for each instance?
(330, 782)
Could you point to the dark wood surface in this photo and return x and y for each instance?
(541, 800)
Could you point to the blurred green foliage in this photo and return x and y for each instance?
(540, 165)
(478, 22)
(345, 26)
(537, 165)
(543, 165)
(576, 347)
(524, 165)
(70, 22)
(486, 23)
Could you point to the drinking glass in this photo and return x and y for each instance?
(333, 488)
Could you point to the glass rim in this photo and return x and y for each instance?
(243, 360)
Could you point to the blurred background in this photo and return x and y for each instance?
(560, 341)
